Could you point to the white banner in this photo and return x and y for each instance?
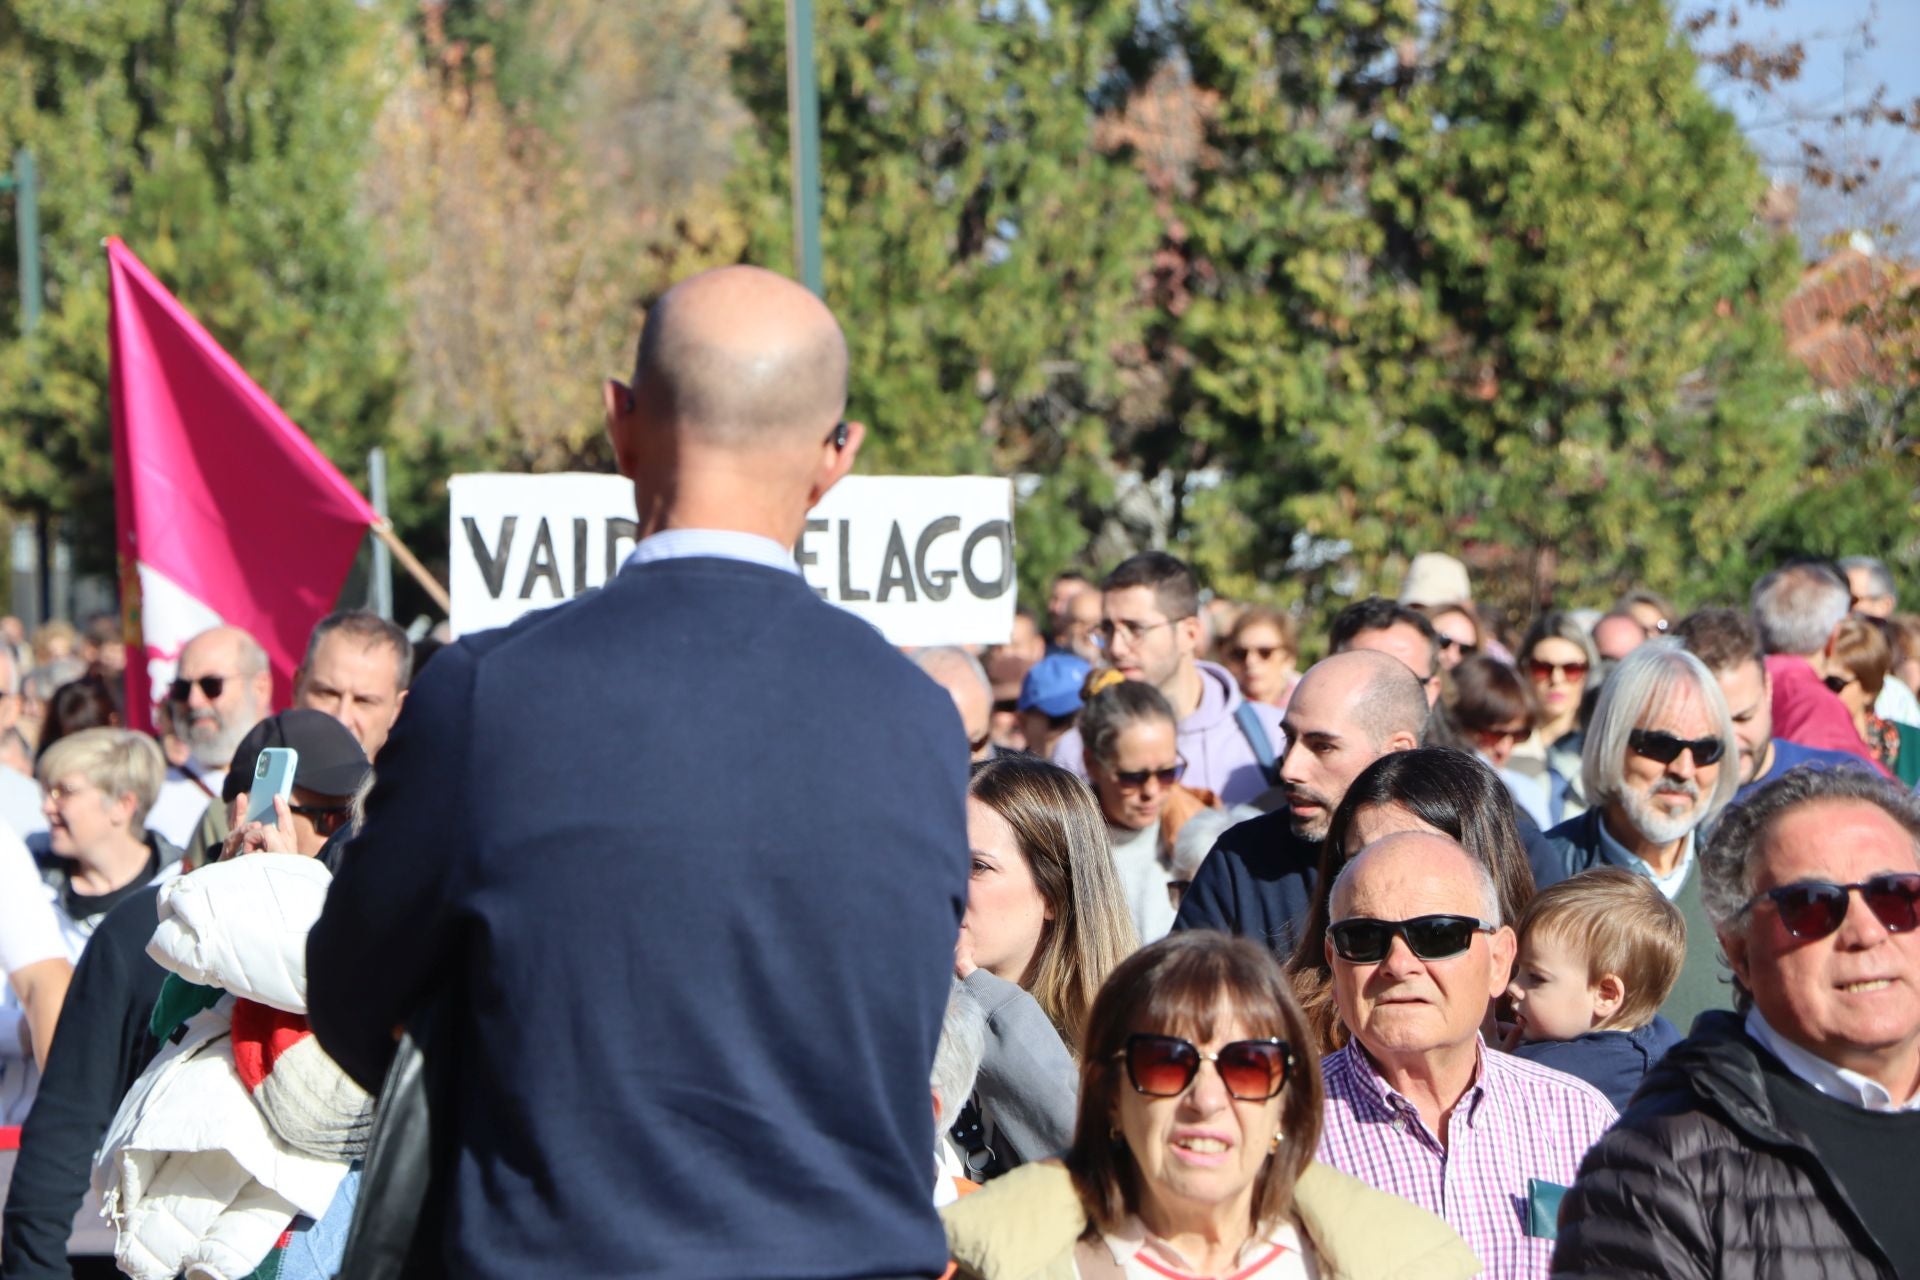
(927, 560)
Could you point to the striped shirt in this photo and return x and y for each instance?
(1516, 1123)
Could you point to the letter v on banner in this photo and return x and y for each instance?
(227, 513)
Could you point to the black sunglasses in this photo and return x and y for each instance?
(1163, 1066)
(1813, 909)
(1839, 683)
(326, 818)
(1133, 779)
(1466, 647)
(181, 690)
(1366, 941)
(1665, 748)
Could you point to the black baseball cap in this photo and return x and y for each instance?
(331, 761)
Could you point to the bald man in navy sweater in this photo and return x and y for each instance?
(675, 869)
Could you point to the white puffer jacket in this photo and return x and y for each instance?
(192, 1176)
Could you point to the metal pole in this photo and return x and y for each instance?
(26, 229)
(380, 589)
(803, 142)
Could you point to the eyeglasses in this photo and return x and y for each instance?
(181, 690)
(1839, 683)
(1466, 647)
(1133, 632)
(1134, 779)
(1543, 670)
(1264, 652)
(1365, 941)
(60, 793)
(325, 817)
(1813, 909)
(1665, 748)
(1163, 1066)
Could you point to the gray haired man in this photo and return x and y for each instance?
(1779, 1140)
(1797, 607)
(1661, 759)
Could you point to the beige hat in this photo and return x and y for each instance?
(1433, 579)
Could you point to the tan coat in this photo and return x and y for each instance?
(1024, 1227)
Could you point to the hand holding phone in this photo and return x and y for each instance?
(272, 776)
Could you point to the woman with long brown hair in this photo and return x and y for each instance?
(1045, 924)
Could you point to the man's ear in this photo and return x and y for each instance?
(1190, 632)
(1400, 740)
(836, 460)
(618, 399)
(1501, 948)
(1733, 945)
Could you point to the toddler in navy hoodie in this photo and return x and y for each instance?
(1598, 953)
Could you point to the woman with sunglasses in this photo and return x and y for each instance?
(1433, 789)
(1193, 1153)
(1855, 667)
(1045, 924)
(1558, 656)
(1492, 706)
(1263, 653)
(1134, 766)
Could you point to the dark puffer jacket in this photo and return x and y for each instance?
(1700, 1180)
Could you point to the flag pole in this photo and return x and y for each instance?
(428, 583)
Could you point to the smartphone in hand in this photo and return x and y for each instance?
(272, 776)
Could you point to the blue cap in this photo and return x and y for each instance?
(1053, 684)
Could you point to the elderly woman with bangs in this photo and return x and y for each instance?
(1193, 1151)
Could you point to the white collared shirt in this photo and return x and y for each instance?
(720, 544)
(1619, 855)
(1836, 1082)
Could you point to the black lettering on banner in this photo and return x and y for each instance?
(618, 528)
(805, 558)
(1002, 530)
(894, 569)
(542, 565)
(579, 555)
(493, 568)
(937, 585)
(847, 590)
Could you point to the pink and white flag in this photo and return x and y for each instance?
(227, 513)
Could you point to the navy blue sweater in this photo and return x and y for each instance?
(1614, 1062)
(683, 863)
(1257, 881)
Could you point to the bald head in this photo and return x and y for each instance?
(742, 358)
(1381, 695)
(1414, 873)
(965, 680)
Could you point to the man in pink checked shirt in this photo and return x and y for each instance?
(1417, 1104)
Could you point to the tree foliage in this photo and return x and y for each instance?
(224, 142)
(1483, 275)
(982, 254)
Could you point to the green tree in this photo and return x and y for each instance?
(981, 252)
(223, 141)
(1479, 275)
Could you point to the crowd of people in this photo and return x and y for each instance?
(690, 930)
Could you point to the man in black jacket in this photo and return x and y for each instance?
(1347, 711)
(1780, 1143)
